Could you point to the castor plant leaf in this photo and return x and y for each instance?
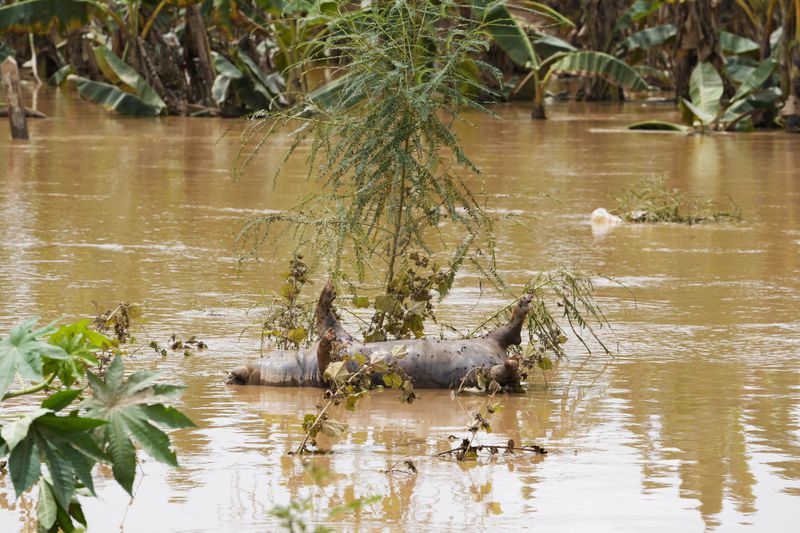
(46, 507)
(65, 445)
(133, 408)
(24, 352)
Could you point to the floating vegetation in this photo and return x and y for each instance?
(406, 467)
(651, 200)
(176, 344)
(466, 450)
(469, 449)
(119, 319)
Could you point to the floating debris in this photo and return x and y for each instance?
(651, 201)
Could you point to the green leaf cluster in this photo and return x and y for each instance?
(241, 83)
(71, 432)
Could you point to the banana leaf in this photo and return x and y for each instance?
(736, 44)
(219, 91)
(226, 73)
(255, 89)
(648, 38)
(703, 115)
(658, 125)
(60, 76)
(705, 92)
(756, 79)
(223, 67)
(760, 100)
(40, 16)
(547, 45)
(507, 32)
(601, 65)
(271, 85)
(739, 68)
(120, 73)
(549, 12)
(639, 10)
(113, 98)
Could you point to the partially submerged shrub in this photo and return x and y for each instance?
(651, 200)
(289, 320)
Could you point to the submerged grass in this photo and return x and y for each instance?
(652, 200)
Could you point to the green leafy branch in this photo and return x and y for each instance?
(99, 428)
(289, 320)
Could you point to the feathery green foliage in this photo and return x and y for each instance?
(389, 167)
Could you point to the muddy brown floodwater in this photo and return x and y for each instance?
(695, 426)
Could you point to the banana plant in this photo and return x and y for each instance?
(705, 89)
(241, 86)
(705, 107)
(42, 16)
(547, 55)
(644, 43)
(127, 94)
(581, 63)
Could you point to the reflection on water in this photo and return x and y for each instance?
(696, 425)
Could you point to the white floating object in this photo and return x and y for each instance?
(601, 217)
(602, 222)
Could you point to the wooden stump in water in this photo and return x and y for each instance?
(198, 54)
(16, 111)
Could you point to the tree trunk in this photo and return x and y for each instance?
(599, 18)
(79, 54)
(697, 41)
(766, 48)
(538, 112)
(16, 111)
(198, 56)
